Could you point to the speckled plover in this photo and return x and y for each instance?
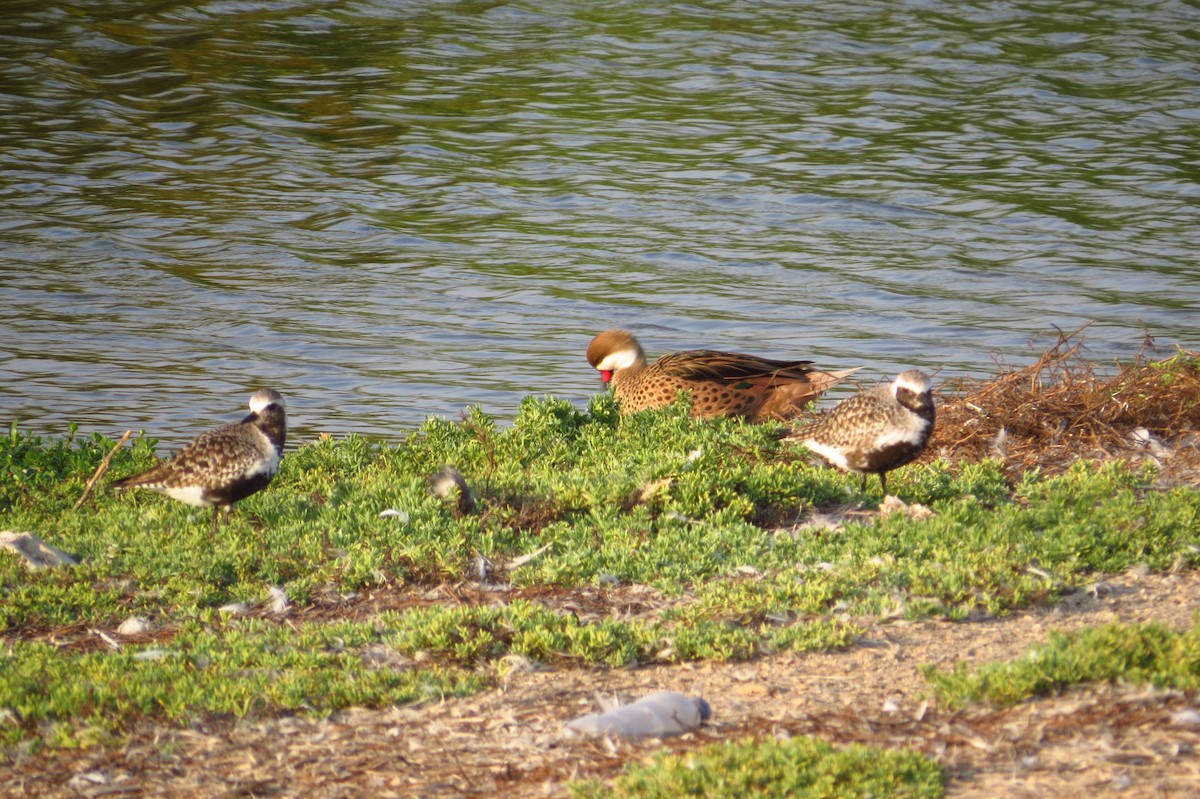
(876, 430)
(719, 383)
(220, 467)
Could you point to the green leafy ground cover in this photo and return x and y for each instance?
(708, 514)
(798, 768)
(1144, 654)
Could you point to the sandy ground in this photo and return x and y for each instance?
(508, 742)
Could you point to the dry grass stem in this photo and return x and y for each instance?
(101, 469)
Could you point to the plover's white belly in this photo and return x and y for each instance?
(910, 431)
(835, 455)
(189, 495)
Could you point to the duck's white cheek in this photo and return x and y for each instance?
(617, 360)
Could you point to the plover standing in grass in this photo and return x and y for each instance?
(220, 467)
(720, 383)
(876, 430)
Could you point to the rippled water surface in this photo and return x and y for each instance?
(388, 210)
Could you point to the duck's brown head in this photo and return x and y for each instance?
(614, 350)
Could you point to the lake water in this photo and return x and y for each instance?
(389, 210)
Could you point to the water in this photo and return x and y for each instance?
(390, 210)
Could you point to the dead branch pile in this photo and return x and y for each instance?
(1064, 407)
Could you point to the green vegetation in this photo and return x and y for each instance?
(1148, 654)
(795, 768)
(240, 670)
(704, 517)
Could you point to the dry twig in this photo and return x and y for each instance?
(101, 469)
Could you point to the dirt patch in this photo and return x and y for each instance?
(508, 743)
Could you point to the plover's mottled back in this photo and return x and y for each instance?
(719, 383)
(876, 430)
(222, 466)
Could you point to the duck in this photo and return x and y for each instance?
(718, 383)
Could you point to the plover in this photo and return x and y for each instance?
(220, 467)
(876, 430)
(720, 383)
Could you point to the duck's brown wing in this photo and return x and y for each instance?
(731, 367)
